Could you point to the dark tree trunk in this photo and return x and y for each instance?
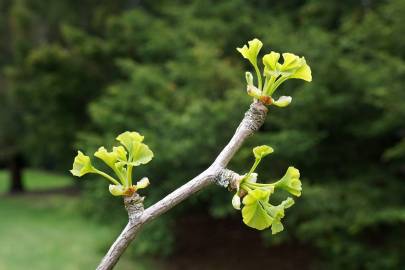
(16, 168)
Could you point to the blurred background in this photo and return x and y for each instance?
(74, 74)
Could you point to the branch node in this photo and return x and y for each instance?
(134, 206)
(227, 178)
(255, 116)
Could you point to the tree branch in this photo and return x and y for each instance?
(216, 173)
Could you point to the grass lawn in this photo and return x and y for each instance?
(36, 180)
(46, 231)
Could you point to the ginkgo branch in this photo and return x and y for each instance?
(216, 173)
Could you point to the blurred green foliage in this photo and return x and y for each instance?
(169, 69)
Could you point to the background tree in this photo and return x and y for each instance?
(170, 70)
(35, 97)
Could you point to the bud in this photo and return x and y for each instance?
(143, 183)
(283, 101)
(266, 100)
(236, 201)
(253, 91)
(252, 178)
(249, 78)
(117, 190)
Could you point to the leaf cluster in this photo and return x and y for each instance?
(122, 159)
(275, 74)
(257, 211)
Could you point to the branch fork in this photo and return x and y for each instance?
(216, 173)
(228, 179)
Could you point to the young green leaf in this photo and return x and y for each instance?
(304, 72)
(141, 154)
(120, 152)
(262, 151)
(109, 158)
(270, 62)
(254, 213)
(82, 165)
(128, 138)
(277, 213)
(251, 54)
(252, 51)
(291, 182)
(291, 62)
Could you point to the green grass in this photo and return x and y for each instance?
(48, 232)
(37, 180)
